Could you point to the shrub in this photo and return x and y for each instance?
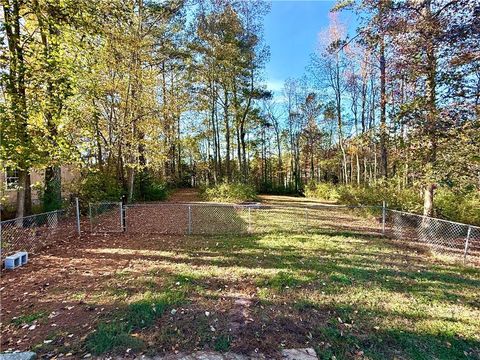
(276, 189)
(323, 191)
(403, 199)
(150, 189)
(456, 206)
(230, 192)
(97, 186)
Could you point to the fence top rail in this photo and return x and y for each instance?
(433, 218)
(252, 205)
(106, 203)
(31, 216)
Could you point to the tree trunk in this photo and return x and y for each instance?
(358, 169)
(28, 195)
(131, 182)
(428, 200)
(52, 199)
(227, 138)
(383, 101)
(22, 185)
(16, 88)
(430, 128)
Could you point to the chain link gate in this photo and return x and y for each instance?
(106, 217)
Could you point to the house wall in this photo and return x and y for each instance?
(8, 197)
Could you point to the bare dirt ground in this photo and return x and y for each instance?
(185, 196)
(70, 289)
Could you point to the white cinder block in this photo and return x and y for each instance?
(16, 260)
(23, 257)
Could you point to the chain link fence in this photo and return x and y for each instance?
(212, 219)
(38, 232)
(441, 236)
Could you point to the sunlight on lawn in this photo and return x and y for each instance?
(363, 292)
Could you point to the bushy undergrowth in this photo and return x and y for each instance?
(322, 191)
(101, 186)
(150, 189)
(230, 192)
(276, 189)
(462, 207)
(455, 206)
(97, 186)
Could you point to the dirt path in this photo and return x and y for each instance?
(286, 200)
(190, 195)
(185, 196)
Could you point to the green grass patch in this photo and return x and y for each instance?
(112, 337)
(340, 278)
(281, 281)
(304, 305)
(28, 319)
(115, 336)
(222, 343)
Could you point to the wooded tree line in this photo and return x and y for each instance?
(143, 91)
(395, 103)
(134, 91)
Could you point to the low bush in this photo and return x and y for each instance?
(458, 206)
(276, 189)
(230, 192)
(455, 206)
(97, 186)
(150, 189)
(323, 191)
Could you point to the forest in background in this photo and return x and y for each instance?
(137, 95)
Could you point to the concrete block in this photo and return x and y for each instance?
(16, 260)
(12, 262)
(18, 356)
(299, 354)
(23, 257)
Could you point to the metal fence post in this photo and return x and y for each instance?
(384, 208)
(90, 216)
(123, 221)
(249, 220)
(189, 220)
(123, 212)
(77, 210)
(467, 240)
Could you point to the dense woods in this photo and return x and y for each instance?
(137, 94)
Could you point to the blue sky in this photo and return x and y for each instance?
(291, 31)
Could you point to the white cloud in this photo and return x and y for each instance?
(275, 85)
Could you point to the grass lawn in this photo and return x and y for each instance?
(349, 296)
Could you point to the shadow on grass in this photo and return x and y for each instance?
(290, 269)
(115, 333)
(406, 273)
